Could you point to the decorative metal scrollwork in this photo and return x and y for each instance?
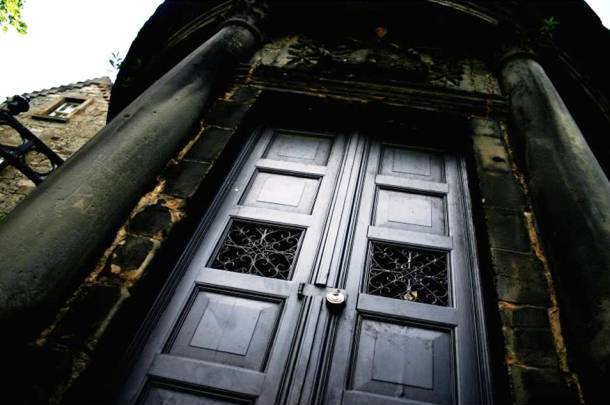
(30, 145)
(259, 249)
(407, 273)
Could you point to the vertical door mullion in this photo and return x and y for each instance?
(333, 253)
(352, 274)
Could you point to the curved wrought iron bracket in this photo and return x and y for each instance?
(16, 155)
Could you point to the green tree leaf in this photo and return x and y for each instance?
(10, 16)
(115, 60)
(549, 26)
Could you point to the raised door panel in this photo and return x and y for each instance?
(284, 192)
(402, 361)
(220, 327)
(410, 163)
(298, 147)
(410, 211)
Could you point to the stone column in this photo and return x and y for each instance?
(571, 198)
(50, 241)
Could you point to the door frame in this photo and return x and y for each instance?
(356, 117)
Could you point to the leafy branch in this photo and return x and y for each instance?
(10, 16)
(548, 26)
(116, 60)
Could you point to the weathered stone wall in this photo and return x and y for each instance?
(534, 349)
(64, 138)
(86, 328)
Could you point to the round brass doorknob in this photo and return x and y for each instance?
(335, 299)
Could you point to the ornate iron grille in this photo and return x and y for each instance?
(407, 273)
(259, 249)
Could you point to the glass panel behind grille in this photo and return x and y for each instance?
(407, 273)
(259, 249)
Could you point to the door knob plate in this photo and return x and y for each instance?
(335, 298)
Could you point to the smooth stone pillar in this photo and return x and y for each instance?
(571, 198)
(51, 240)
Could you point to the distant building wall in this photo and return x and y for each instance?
(64, 138)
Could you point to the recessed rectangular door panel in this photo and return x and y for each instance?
(299, 147)
(403, 361)
(286, 192)
(410, 211)
(411, 163)
(227, 329)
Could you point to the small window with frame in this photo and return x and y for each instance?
(63, 109)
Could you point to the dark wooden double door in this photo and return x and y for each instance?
(384, 226)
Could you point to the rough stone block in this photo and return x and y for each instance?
(525, 316)
(184, 179)
(64, 138)
(246, 94)
(131, 254)
(93, 306)
(485, 127)
(532, 346)
(500, 189)
(151, 220)
(540, 386)
(507, 230)
(210, 144)
(226, 114)
(491, 153)
(519, 278)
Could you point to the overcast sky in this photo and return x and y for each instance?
(68, 41)
(72, 40)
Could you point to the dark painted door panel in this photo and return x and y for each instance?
(308, 218)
